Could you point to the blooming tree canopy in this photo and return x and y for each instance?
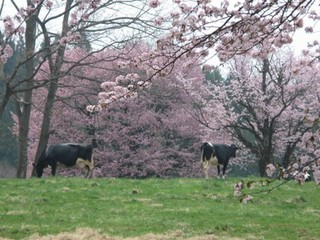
(270, 106)
(146, 133)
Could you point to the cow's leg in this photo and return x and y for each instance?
(83, 165)
(218, 168)
(87, 165)
(205, 165)
(91, 167)
(224, 171)
(86, 171)
(53, 168)
(90, 172)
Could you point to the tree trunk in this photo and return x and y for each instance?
(266, 147)
(53, 87)
(46, 120)
(262, 164)
(25, 106)
(287, 158)
(5, 100)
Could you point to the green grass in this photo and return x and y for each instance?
(129, 208)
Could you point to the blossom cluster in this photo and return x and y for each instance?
(270, 169)
(299, 173)
(154, 3)
(246, 199)
(71, 37)
(123, 88)
(5, 53)
(233, 29)
(237, 187)
(83, 11)
(14, 25)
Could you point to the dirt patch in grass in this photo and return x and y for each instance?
(87, 233)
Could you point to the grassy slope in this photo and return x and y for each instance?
(122, 207)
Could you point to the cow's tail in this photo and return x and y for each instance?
(202, 152)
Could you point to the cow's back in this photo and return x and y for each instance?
(63, 153)
(83, 151)
(224, 152)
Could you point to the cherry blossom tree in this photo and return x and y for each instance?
(154, 134)
(146, 133)
(256, 29)
(265, 105)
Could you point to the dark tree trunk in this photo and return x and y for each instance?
(25, 106)
(55, 69)
(5, 100)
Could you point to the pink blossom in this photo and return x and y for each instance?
(154, 3)
(64, 41)
(159, 21)
(185, 8)
(95, 3)
(122, 64)
(91, 108)
(120, 91)
(270, 169)
(299, 23)
(104, 103)
(317, 153)
(5, 53)
(237, 189)
(130, 87)
(85, 16)
(175, 15)
(246, 199)
(140, 83)
(300, 177)
(9, 26)
(308, 30)
(120, 79)
(30, 10)
(105, 95)
(316, 174)
(22, 13)
(107, 86)
(48, 4)
(74, 19)
(132, 76)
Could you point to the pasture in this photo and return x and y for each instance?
(77, 208)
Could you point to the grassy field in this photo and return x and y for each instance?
(76, 208)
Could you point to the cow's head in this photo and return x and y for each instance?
(234, 149)
(39, 169)
(94, 143)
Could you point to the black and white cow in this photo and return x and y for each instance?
(68, 154)
(216, 155)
